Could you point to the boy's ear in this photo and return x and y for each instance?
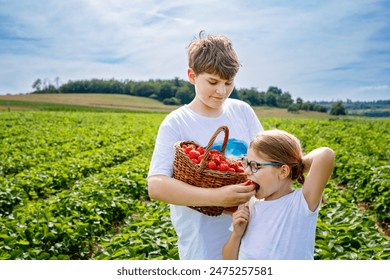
(191, 75)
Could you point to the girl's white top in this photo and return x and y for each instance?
(281, 229)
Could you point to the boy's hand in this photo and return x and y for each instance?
(233, 195)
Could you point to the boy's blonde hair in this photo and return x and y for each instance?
(277, 145)
(213, 54)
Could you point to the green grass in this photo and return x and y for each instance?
(118, 103)
(13, 105)
(73, 186)
(82, 102)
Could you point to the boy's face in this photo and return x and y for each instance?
(210, 89)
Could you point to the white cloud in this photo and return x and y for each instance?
(374, 88)
(314, 51)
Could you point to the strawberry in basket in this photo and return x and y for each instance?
(207, 168)
(215, 160)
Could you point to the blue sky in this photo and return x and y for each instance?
(316, 50)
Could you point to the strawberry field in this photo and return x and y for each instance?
(73, 186)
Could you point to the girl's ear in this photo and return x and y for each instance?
(191, 75)
(284, 171)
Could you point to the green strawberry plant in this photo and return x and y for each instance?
(73, 186)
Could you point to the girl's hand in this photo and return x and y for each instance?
(240, 220)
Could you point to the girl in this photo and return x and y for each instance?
(279, 222)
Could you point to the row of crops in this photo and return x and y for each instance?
(73, 186)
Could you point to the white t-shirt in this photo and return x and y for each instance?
(281, 229)
(202, 237)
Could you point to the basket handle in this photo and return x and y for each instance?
(223, 128)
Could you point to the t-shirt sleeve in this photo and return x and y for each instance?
(164, 153)
(305, 206)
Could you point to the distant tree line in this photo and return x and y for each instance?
(359, 105)
(175, 92)
(377, 108)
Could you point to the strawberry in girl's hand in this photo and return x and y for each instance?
(249, 182)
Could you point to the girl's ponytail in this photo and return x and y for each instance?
(297, 172)
(301, 177)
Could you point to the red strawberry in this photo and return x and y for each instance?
(216, 158)
(212, 165)
(257, 186)
(188, 149)
(200, 158)
(233, 165)
(194, 160)
(200, 149)
(193, 154)
(240, 169)
(223, 167)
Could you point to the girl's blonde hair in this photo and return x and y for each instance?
(213, 54)
(277, 145)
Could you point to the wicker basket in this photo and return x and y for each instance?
(184, 169)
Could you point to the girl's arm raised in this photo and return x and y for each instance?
(319, 165)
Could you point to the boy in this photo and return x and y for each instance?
(213, 65)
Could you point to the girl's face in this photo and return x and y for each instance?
(267, 177)
(211, 90)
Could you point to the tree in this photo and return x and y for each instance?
(251, 96)
(299, 102)
(274, 90)
(293, 108)
(171, 101)
(337, 108)
(57, 81)
(270, 99)
(185, 93)
(146, 89)
(234, 94)
(284, 100)
(37, 85)
(166, 90)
